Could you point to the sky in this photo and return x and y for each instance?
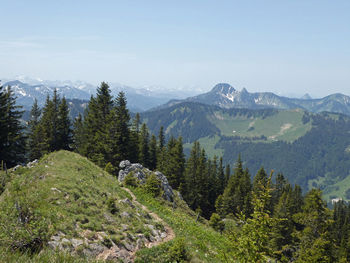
(289, 47)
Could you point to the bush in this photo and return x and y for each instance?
(111, 206)
(109, 168)
(216, 222)
(152, 185)
(23, 227)
(130, 180)
(178, 252)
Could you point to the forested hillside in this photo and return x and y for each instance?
(311, 150)
(66, 208)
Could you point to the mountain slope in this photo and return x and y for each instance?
(138, 100)
(309, 149)
(225, 96)
(67, 202)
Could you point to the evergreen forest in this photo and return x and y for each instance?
(265, 217)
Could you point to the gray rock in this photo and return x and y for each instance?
(128, 246)
(163, 235)
(16, 167)
(55, 189)
(54, 245)
(126, 201)
(96, 249)
(31, 164)
(124, 227)
(124, 164)
(141, 173)
(76, 242)
(125, 214)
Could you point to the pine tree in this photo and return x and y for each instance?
(153, 152)
(188, 188)
(79, 135)
(12, 140)
(221, 177)
(251, 243)
(315, 244)
(64, 131)
(144, 146)
(231, 199)
(97, 121)
(119, 132)
(34, 136)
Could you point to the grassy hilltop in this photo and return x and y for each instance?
(67, 199)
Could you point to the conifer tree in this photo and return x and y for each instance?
(221, 177)
(230, 197)
(78, 135)
(153, 152)
(119, 132)
(251, 243)
(144, 157)
(64, 131)
(12, 140)
(97, 119)
(315, 244)
(188, 188)
(34, 136)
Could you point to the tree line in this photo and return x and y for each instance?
(274, 217)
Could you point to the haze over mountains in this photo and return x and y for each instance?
(223, 95)
(27, 89)
(226, 96)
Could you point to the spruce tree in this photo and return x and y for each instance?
(119, 132)
(12, 140)
(64, 131)
(34, 136)
(153, 152)
(315, 244)
(144, 157)
(79, 135)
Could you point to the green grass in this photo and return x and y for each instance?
(337, 190)
(201, 241)
(208, 143)
(46, 256)
(67, 193)
(284, 125)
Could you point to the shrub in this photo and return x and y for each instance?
(216, 222)
(130, 180)
(23, 226)
(109, 168)
(111, 206)
(152, 185)
(178, 252)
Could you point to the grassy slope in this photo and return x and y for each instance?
(73, 194)
(202, 242)
(81, 201)
(285, 125)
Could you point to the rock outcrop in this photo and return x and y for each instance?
(141, 173)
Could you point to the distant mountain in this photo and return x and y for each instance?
(310, 149)
(27, 89)
(226, 96)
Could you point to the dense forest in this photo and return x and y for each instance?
(310, 156)
(273, 218)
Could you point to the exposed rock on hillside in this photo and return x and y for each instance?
(141, 173)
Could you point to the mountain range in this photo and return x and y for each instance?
(27, 89)
(226, 96)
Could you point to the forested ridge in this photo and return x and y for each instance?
(312, 154)
(264, 218)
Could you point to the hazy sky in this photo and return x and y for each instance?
(287, 47)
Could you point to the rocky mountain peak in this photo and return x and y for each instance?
(223, 88)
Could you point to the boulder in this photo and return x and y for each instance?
(141, 173)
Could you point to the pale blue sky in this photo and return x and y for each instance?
(294, 46)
